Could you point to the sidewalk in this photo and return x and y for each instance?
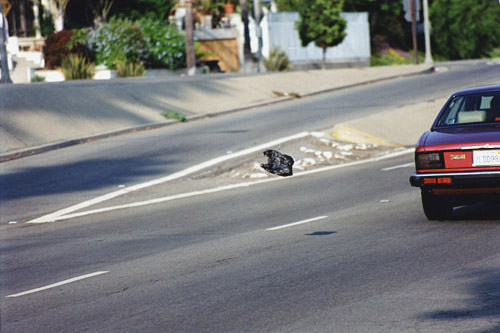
(45, 116)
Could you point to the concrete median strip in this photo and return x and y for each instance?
(71, 212)
(396, 127)
(57, 215)
(349, 134)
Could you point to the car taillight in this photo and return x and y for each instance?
(428, 161)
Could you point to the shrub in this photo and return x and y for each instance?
(118, 39)
(277, 61)
(37, 78)
(126, 69)
(148, 41)
(56, 48)
(78, 44)
(165, 46)
(75, 67)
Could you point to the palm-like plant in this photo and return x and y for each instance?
(277, 61)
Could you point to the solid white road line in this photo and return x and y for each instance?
(78, 278)
(297, 223)
(55, 216)
(65, 214)
(406, 165)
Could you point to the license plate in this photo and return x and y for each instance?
(486, 158)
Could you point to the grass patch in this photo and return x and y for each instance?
(37, 78)
(174, 115)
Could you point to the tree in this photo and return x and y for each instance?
(137, 9)
(464, 29)
(100, 9)
(288, 5)
(386, 20)
(321, 23)
(61, 10)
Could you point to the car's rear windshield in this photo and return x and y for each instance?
(472, 109)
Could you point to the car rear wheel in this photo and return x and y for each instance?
(436, 207)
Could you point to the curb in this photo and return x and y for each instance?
(73, 142)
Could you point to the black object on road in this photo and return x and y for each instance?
(278, 163)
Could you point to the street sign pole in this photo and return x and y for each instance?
(3, 51)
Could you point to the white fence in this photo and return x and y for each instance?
(278, 30)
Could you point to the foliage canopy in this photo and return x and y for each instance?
(321, 23)
(465, 29)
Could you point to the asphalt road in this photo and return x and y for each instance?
(44, 183)
(363, 258)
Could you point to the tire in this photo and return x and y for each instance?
(435, 207)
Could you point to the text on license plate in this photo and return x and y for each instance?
(486, 158)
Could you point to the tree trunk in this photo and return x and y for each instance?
(13, 16)
(246, 46)
(22, 18)
(323, 61)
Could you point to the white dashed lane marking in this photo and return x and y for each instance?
(297, 223)
(401, 166)
(54, 285)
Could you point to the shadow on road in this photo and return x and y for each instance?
(321, 233)
(483, 301)
(78, 176)
(478, 211)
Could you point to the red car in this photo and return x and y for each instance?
(457, 161)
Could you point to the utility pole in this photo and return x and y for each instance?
(247, 58)
(258, 15)
(3, 50)
(414, 29)
(427, 34)
(190, 55)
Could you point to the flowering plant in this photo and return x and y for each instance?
(166, 46)
(117, 39)
(147, 41)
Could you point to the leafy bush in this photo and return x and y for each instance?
(56, 48)
(166, 47)
(464, 29)
(127, 69)
(148, 41)
(37, 78)
(78, 44)
(118, 39)
(278, 61)
(75, 67)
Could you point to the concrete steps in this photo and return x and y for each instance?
(24, 63)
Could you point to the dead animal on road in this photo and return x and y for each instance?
(278, 163)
